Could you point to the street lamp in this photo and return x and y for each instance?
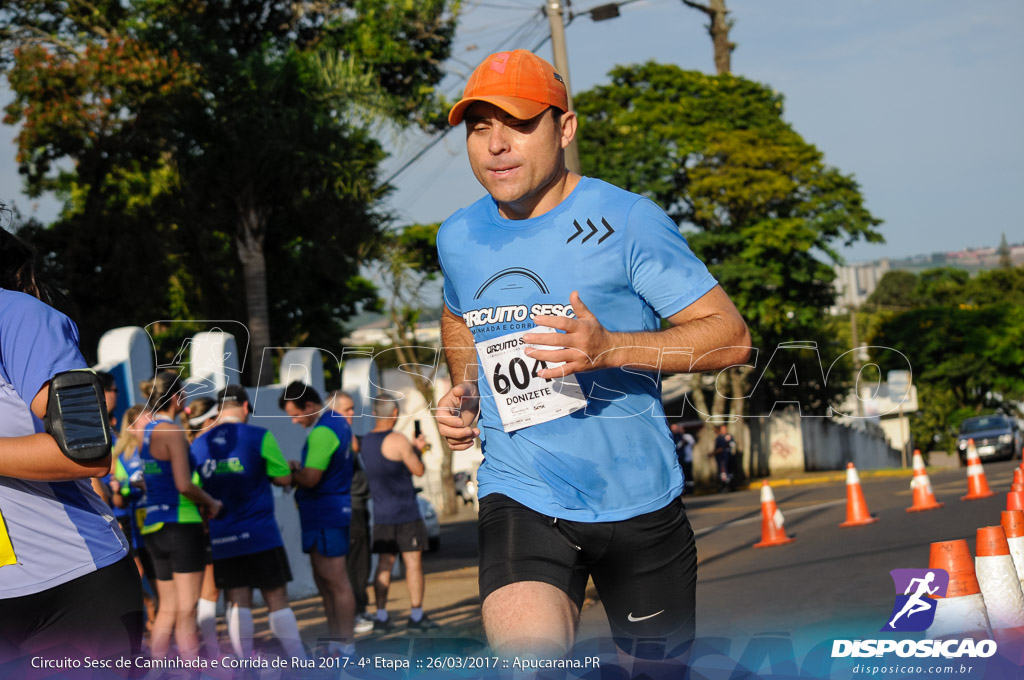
(602, 12)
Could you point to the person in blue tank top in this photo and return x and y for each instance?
(556, 287)
(128, 494)
(175, 507)
(67, 586)
(323, 480)
(391, 460)
(237, 463)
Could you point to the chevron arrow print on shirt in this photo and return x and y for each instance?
(593, 230)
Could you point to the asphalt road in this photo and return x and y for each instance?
(831, 580)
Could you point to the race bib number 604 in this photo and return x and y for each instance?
(522, 397)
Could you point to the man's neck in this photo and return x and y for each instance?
(383, 426)
(234, 411)
(546, 200)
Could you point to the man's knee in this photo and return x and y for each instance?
(385, 563)
(413, 560)
(530, 618)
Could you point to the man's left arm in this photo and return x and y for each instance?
(707, 335)
(322, 445)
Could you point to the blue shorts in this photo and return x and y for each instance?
(331, 542)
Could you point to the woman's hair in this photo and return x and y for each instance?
(18, 271)
(128, 438)
(197, 408)
(164, 387)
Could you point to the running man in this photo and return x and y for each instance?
(916, 602)
(323, 479)
(237, 463)
(580, 476)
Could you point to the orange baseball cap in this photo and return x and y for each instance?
(518, 82)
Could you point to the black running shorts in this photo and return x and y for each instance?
(645, 568)
(265, 570)
(177, 549)
(97, 615)
(399, 538)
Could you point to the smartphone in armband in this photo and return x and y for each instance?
(76, 416)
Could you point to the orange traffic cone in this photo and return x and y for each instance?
(977, 484)
(962, 610)
(772, 520)
(1013, 526)
(856, 507)
(924, 497)
(1018, 480)
(1015, 500)
(1000, 587)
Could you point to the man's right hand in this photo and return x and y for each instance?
(456, 412)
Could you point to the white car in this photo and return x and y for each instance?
(430, 518)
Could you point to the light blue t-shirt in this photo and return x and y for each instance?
(50, 532)
(615, 459)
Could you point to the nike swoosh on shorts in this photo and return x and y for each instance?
(634, 619)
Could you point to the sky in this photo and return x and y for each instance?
(920, 100)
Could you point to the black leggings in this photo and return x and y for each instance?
(98, 615)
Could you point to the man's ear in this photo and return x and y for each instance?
(568, 123)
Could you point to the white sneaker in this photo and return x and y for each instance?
(363, 623)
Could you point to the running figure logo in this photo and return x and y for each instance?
(914, 609)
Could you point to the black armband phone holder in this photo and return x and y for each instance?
(76, 416)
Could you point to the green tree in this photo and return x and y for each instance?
(895, 290)
(1005, 262)
(757, 203)
(965, 360)
(995, 286)
(220, 133)
(406, 262)
(941, 286)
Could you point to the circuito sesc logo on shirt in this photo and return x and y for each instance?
(914, 608)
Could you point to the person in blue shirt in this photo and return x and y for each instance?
(200, 415)
(556, 287)
(67, 585)
(357, 562)
(173, 523)
(323, 481)
(237, 463)
(128, 495)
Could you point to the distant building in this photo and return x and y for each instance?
(855, 282)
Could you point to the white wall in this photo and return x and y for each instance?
(214, 362)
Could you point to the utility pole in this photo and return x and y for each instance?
(553, 8)
(857, 364)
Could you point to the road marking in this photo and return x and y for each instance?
(750, 520)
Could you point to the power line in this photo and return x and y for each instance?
(513, 7)
(419, 154)
(434, 142)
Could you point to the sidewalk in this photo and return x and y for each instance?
(936, 460)
(452, 594)
(451, 598)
